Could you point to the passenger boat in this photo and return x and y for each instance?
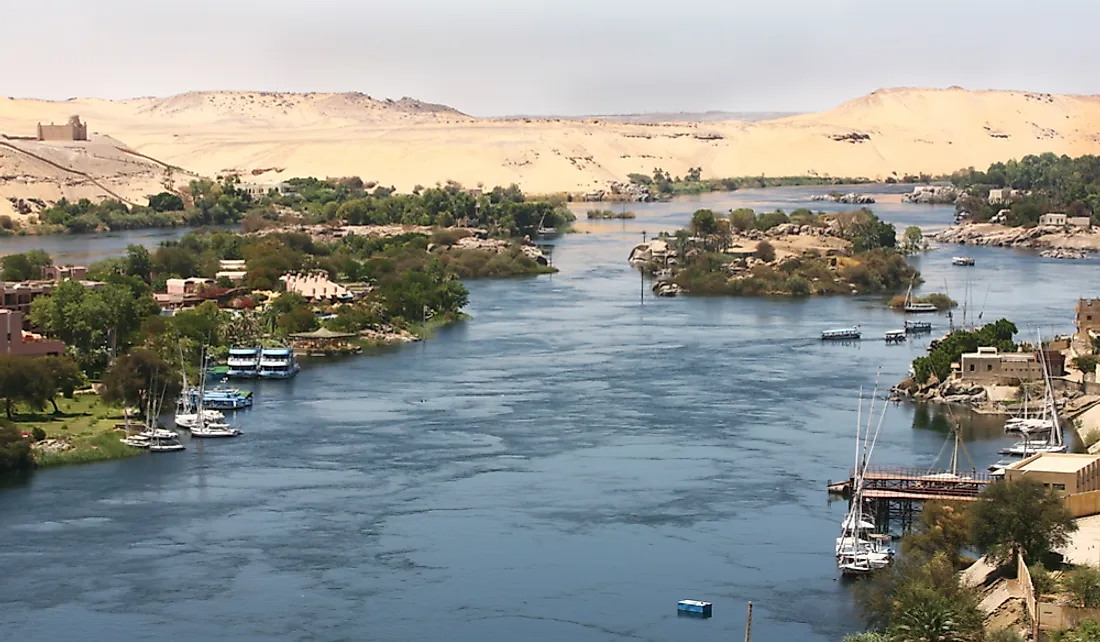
(694, 607)
(278, 363)
(895, 336)
(918, 326)
(842, 334)
(244, 363)
(914, 307)
(222, 398)
(962, 260)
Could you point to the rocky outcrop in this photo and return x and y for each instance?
(497, 246)
(656, 251)
(950, 391)
(1064, 253)
(931, 194)
(1040, 237)
(388, 335)
(851, 198)
(666, 288)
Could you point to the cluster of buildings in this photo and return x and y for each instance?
(1058, 219)
(16, 337)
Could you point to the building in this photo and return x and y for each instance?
(260, 190)
(1052, 218)
(72, 130)
(232, 269)
(59, 273)
(998, 196)
(1082, 222)
(315, 286)
(1087, 317)
(988, 366)
(1064, 472)
(15, 340)
(180, 287)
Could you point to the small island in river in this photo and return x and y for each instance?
(750, 254)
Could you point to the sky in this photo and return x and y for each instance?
(551, 57)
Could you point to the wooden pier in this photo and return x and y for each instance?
(895, 494)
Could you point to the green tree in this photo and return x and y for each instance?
(918, 596)
(913, 241)
(1020, 516)
(64, 375)
(138, 262)
(135, 378)
(27, 266)
(1086, 363)
(15, 451)
(943, 528)
(24, 380)
(166, 202)
(1086, 631)
(704, 223)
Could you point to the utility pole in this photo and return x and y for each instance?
(748, 624)
(641, 275)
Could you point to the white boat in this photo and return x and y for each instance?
(166, 446)
(914, 307)
(190, 420)
(135, 441)
(277, 363)
(859, 550)
(158, 433)
(244, 363)
(918, 326)
(962, 260)
(842, 334)
(1048, 421)
(202, 429)
(895, 336)
(187, 407)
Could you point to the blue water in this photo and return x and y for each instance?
(566, 465)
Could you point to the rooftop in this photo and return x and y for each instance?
(1055, 463)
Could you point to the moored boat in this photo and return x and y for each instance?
(962, 260)
(915, 307)
(222, 398)
(243, 363)
(278, 363)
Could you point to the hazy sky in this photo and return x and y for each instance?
(494, 57)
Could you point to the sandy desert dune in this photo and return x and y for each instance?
(138, 146)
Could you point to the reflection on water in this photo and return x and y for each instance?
(565, 465)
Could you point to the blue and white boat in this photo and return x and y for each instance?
(244, 363)
(842, 334)
(222, 398)
(278, 363)
(694, 607)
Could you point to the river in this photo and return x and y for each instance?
(564, 466)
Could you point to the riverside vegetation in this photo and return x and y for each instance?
(772, 253)
(406, 284)
(663, 185)
(1048, 183)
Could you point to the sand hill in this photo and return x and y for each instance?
(269, 136)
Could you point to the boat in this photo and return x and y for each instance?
(136, 441)
(204, 429)
(694, 607)
(244, 363)
(1027, 446)
(187, 410)
(859, 549)
(842, 334)
(223, 398)
(278, 363)
(962, 260)
(918, 326)
(915, 307)
(895, 336)
(153, 438)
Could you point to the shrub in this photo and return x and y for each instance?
(1083, 585)
(765, 251)
(1086, 363)
(38, 433)
(798, 286)
(1042, 579)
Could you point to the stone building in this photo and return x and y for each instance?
(1087, 317)
(1052, 218)
(72, 130)
(315, 286)
(988, 366)
(1066, 473)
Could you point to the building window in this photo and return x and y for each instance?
(971, 367)
(1059, 486)
(989, 367)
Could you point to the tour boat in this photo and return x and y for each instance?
(244, 363)
(914, 307)
(843, 334)
(918, 326)
(962, 260)
(895, 336)
(277, 363)
(227, 398)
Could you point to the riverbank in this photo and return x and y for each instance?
(1039, 237)
(82, 432)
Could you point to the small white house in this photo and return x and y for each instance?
(1052, 218)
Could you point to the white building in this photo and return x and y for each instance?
(1052, 218)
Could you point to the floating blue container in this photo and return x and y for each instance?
(694, 607)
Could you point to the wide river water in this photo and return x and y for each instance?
(566, 465)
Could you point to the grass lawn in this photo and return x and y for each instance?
(86, 423)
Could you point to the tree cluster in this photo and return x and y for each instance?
(1055, 183)
(36, 381)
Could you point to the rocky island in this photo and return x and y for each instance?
(752, 254)
(1056, 241)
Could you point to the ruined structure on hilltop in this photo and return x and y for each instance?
(73, 130)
